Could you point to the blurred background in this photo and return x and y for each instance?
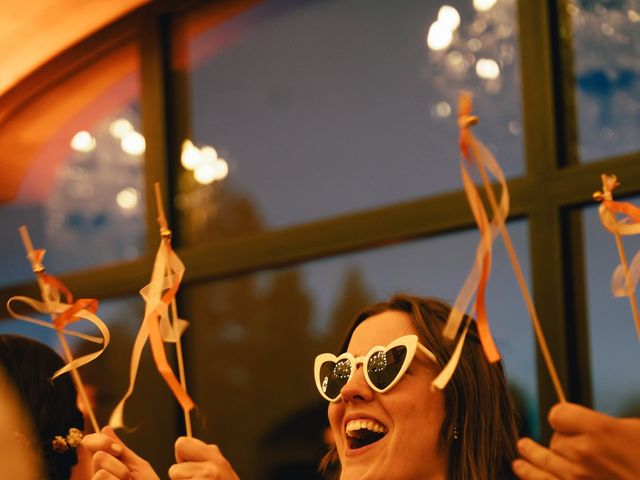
(307, 151)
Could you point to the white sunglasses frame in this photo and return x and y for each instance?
(408, 341)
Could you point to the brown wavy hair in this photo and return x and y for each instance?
(51, 404)
(477, 402)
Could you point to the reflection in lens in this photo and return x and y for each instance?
(383, 367)
(334, 376)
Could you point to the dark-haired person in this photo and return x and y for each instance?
(57, 423)
(586, 444)
(387, 421)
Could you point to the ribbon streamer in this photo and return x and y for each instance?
(63, 313)
(625, 276)
(474, 152)
(157, 326)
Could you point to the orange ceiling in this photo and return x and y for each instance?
(34, 31)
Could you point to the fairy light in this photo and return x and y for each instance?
(483, 5)
(127, 198)
(222, 169)
(449, 16)
(190, 157)
(439, 36)
(487, 69)
(209, 153)
(83, 142)
(133, 143)
(443, 109)
(205, 173)
(120, 127)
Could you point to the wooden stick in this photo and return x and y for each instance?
(166, 237)
(627, 281)
(75, 375)
(522, 283)
(183, 378)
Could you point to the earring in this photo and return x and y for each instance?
(456, 434)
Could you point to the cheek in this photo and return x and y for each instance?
(335, 412)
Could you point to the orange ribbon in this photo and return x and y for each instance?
(628, 225)
(474, 153)
(166, 277)
(62, 313)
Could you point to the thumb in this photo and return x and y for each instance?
(128, 456)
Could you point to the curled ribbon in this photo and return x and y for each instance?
(627, 225)
(166, 277)
(474, 153)
(625, 276)
(62, 312)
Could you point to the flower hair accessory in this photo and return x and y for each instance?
(61, 444)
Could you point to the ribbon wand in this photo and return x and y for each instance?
(467, 120)
(165, 235)
(607, 211)
(38, 270)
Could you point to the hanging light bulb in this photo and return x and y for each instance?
(449, 16)
(190, 157)
(483, 5)
(133, 143)
(487, 69)
(83, 142)
(439, 36)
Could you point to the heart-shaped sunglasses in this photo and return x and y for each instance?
(384, 367)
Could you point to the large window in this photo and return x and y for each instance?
(305, 129)
(607, 77)
(75, 173)
(308, 156)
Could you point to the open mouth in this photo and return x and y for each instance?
(363, 432)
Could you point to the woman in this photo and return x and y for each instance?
(51, 406)
(387, 423)
(467, 431)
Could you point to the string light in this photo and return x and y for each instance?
(83, 142)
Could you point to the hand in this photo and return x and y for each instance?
(112, 459)
(196, 459)
(586, 445)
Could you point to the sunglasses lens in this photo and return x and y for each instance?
(383, 367)
(334, 376)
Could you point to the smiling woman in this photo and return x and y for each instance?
(402, 428)
(387, 421)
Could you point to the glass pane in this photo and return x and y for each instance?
(606, 48)
(151, 411)
(318, 110)
(281, 319)
(614, 342)
(75, 175)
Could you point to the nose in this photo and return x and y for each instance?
(357, 388)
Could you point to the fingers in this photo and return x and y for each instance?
(104, 475)
(126, 455)
(526, 471)
(202, 470)
(101, 442)
(188, 449)
(197, 459)
(542, 459)
(570, 418)
(107, 466)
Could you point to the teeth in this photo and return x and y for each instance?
(365, 424)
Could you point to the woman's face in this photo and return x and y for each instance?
(410, 415)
